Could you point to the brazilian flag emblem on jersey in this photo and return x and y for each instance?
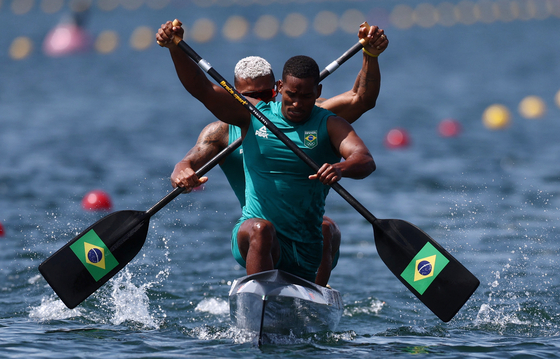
(310, 139)
(94, 255)
(424, 268)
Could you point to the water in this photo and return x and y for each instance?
(120, 122)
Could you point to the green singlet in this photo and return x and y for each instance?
(233, 166)
(278, 188)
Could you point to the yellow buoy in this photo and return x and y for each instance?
(203, 30)
(266, 27)
(107, 42)
(557, 98)
(142, 38)
(496, 117)
(21, 48)
(532, 107)
(235, 28)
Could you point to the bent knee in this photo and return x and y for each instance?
(257, 232)
(262, 227)
(330, 230)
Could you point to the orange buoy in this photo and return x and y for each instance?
(397, 138)
(97, 200)
(449, 128)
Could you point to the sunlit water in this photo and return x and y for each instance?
(119, 122)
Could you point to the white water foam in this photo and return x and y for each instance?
(374, 307)
(214, 306)
(502, 308)
(130, 302)
(127, 301)
(52, 308)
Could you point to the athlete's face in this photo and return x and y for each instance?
(262, 88)
(298, 97)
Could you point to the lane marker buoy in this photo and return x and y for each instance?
(397, 138)
(496, 117)
(449, 128)
(97, 200)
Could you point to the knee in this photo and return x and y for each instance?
(261, 234)
(262, 228)
(331, 232)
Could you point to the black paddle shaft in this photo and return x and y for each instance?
(201, 172)
(229, 149)
(204, 65)
(234, 145)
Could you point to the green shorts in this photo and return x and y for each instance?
(298, 258)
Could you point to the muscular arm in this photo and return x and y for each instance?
(215, 98)
(212, 140)
(358, 161)
(362, 97)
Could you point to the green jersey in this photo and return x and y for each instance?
(277, 185)
(233, 166)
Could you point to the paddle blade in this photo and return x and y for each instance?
(93, 257)
(442, 283)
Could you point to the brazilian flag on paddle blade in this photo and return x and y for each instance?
(89, 260)
(94, 255)
(424, 268)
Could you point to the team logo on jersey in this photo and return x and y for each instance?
(310, 139)
(424, 268)
(261, 132)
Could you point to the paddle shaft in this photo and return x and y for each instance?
(205, 65)
(201, 172)
(342, 59)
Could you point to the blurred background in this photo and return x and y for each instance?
(465, 136)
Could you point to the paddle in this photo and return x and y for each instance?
(421, 264)
(93, 257)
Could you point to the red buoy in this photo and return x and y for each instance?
(97, 200)
(449, 128)
(1, 230)
(397, 138)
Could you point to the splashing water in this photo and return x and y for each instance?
(52, 308)
(130, 302)
(357, 308)
(214, 306)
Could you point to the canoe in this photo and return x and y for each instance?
(277, 302)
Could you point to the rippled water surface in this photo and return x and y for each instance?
(120, 121)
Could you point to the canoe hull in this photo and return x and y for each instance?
(276, 302)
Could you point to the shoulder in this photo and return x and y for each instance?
(319, 111)
(268, 105)
(338, 124)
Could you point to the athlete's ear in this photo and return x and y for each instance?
(279, 86)
(319, 88)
